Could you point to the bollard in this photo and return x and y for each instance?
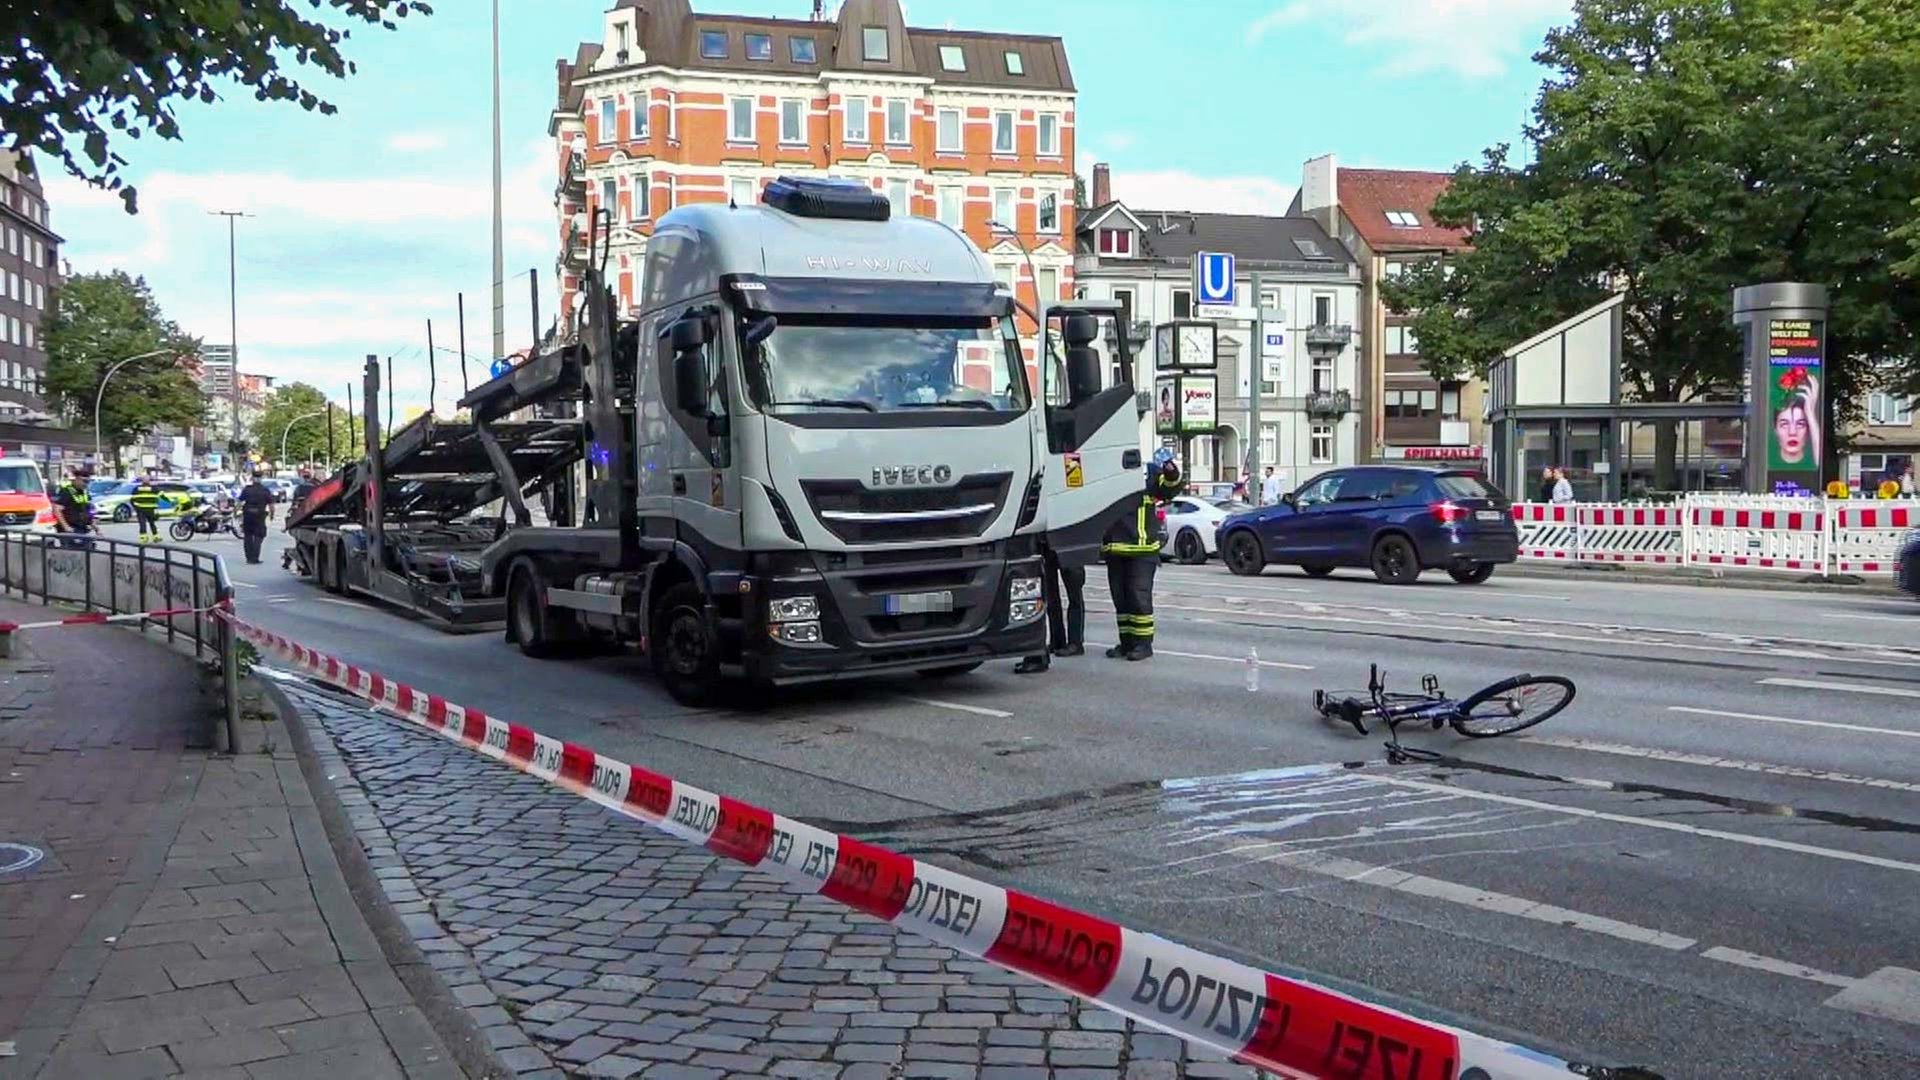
(230, 677)
(6, 639)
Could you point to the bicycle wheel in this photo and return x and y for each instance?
(1512, 705)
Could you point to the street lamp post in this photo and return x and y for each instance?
(1007, 230)
(100, 396)
(282, 459)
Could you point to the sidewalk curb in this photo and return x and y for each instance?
(449, 1019)
(1629, 577)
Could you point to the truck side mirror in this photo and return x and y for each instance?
(687, 337)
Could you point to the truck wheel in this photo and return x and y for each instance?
(949, 671)
(527, 622)
(685, 656)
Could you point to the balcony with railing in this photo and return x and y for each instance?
(1329, 404)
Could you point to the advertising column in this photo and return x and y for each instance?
(1784, 326)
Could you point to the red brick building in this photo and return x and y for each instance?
(673, 106)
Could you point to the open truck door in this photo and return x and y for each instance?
(1092, 425)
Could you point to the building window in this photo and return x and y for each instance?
(1006, 275)
(1450, 404)
(641, 110)
(953, 205)
(1320, 445)
(952, 59)
(1049, 214)
(793, 120)
(1889, 409)
(1049, 290)
(899, 197)
(1015, 65)
(1124, 297)
(1116, 242)
(1309, 249)
(897, 122)
(610, 199)
(759, 46)
(1003, 206)
(29, 335)
(873, 43)
(800, 50)
(1183, 303)
(673, 115)
(713, 44)
(1395, 268)
(947, 135)
(1403, 219)
(607, 120)
(1322, 309)
(642, 202)
(1323, 375)
(740, 190)
(1049, 139)
(741, 111)
(1402, 341)
(857, 120)
(1003, 133)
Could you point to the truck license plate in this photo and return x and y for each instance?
(917, 603)
(1488, 515)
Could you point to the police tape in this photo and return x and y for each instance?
(98, 617)
(1284, 1025)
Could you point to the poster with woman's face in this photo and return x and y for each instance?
(1793, 397)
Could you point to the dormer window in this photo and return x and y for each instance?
(952, 59)
(873, 43)
(1403, 219)
(759, 46)
(1116, 242)
(620, 42)
(1015, 65)
(800, 50)
(713, 44)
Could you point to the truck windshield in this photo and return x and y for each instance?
(889, 365)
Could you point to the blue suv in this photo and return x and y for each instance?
(1394, 520)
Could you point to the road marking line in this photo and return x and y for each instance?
(281, 600)
(1778, 967)
(1653, 823)
(342, 603)
(1682, 758)
(1892, 993)
(1158, 651)
(1797, 723)
(244, 585)
(956, 706)
(1908, 619)
(1848, 688)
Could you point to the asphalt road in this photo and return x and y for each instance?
(1709, 864)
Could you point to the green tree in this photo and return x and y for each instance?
(99, 320)
(1681, 148)
(77, 71)
(290, 414)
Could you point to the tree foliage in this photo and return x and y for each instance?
(99, 320)
(305, 438)
(76, 72)
(1681, 148)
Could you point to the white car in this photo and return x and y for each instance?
(1191, 524)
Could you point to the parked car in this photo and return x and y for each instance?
(281, 487)
(1193, 523)
(24, 501)
(115, 504)
(1907, 564)
(1396, 520)
(211, 491)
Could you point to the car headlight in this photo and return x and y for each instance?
(1023, 588)
(793, 609)
(796, 633)
(1025, 611)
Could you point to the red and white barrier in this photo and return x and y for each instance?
(96, 618)
(1548, 531)
(1867, 534)
(1630, 534)
(1759, 533)
(1283, 1025)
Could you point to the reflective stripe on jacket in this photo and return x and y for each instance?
(145, 497)
(1143, 534)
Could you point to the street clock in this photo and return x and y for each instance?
(1186, 346)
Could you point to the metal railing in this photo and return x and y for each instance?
(99, 574)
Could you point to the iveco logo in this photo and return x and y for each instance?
(912, 475)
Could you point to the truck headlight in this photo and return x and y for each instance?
(1025, 611)
(1024, 588)
(796, 633)
(793, 609)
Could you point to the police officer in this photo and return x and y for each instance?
(256, 506)
(1132, 549)
(75, 505)
(145, 501)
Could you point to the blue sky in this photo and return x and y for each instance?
(369, 222)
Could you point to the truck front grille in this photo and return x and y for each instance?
(858, 514)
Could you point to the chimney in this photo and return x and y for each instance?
(1102, 184)
(1320, 184)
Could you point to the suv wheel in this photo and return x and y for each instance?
(1394, 561)
(1470, 573)
(1243, 555)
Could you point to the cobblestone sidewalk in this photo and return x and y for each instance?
(586, 944)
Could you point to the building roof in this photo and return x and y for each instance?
(669, 33)
(1181, 234)
(1368, 196)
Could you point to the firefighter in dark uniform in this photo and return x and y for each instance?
(1132, 549)
(75, 505)
(146, 509)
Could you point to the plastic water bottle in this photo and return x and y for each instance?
(1253, 670)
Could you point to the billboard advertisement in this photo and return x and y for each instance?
(1796, 350)
(1199, 403)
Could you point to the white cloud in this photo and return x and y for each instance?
(1119, 141)
(1471, 38)
(1175, 189)
(416, 142)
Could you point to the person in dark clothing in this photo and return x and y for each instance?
(1066, 624)
(1547, 480)
(256, 508)
(75, 506)
(1132, 549)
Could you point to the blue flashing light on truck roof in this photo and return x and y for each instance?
(845, 200)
